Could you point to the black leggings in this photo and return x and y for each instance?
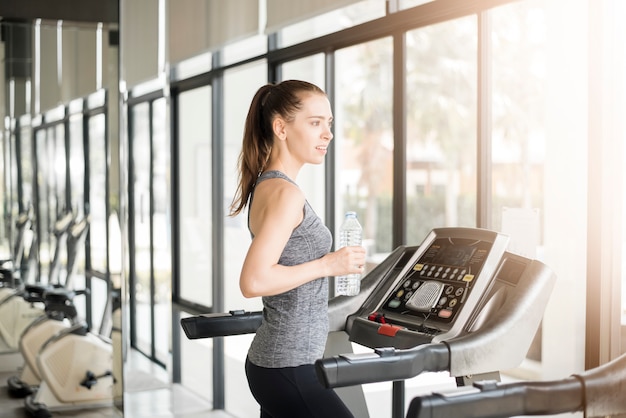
(293, 392)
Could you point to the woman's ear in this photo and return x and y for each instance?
(279, 128)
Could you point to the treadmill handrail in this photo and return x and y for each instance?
(384, 364)
(221, 324)
(598, 391)
(500, 400)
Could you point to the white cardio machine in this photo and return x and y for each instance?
(74, 364)
(20, 303)
(59, 313)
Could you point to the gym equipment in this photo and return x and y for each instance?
(598, 392)
(75, 367)
(21, 305)
(459, 302)
(10, 269)
(74, 364)
(59, 314)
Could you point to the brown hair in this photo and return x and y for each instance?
(283, 99)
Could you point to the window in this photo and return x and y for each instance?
(240, 85)
(77, 166)
(441, 127)
(194, 190)
(195, 233)
(332, 21)
(151, 225)
(363, 141)
(539, 129)
(161, 229)
(141, 225)
(97, 200)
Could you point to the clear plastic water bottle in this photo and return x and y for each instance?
(350, 234)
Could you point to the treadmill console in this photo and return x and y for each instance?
(438, 284)
(433, 290)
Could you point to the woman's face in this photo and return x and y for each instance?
(309, 133)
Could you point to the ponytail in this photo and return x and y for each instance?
(271, 100)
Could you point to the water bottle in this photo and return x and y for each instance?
(349, 234)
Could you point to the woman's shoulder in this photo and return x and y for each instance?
(279, 190)
(277, 200)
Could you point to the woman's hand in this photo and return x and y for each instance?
(346, 260)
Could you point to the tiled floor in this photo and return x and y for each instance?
(146, 396)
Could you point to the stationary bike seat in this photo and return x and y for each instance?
(35, 292)
(59, 303)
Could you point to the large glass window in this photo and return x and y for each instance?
(162, 226)
(240, 85)
(26, 164)
(75, 274)
(58, 157)
(239, 51)
(77, 166)
(10, 190)
(332, 21)
(441, 127)
(97, 210)
(27, 201)
(141, 224)
(194, 190)
(539, 135)
(152, 226)
(51, 177)
(363, 141)
(519, 103)
(42, 205)
(195, 208)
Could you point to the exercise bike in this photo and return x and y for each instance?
(59, 314)
(20, 303)
(14, 314)
(75, 366)
(10, 268)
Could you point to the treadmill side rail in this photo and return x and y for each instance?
(221, 324)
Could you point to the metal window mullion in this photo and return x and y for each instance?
(86, 189)
(174, 233)
(400, 140)
(151, 222)
(68, 182)
(217, 211)
(330, 169)
(132, 281)
(483, 115)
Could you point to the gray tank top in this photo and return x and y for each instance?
(295, 323)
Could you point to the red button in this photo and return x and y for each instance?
(445, 313)
(389, 330)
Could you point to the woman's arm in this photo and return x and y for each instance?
(276, 211)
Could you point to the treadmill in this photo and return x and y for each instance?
(459, 302)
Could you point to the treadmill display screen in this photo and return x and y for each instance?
(439, 282)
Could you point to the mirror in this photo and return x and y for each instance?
(60, 107)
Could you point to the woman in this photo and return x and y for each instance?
(288, 262)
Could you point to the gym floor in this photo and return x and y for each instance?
(147, 395)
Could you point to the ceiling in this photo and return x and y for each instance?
(88, 11)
